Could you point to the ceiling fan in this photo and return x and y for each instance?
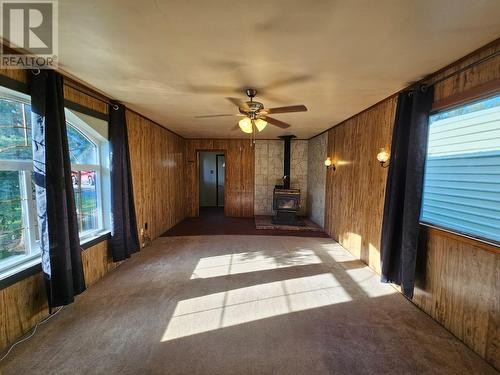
(255, 116)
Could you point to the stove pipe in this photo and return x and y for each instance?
(286, 160)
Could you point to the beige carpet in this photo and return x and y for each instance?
(242, 305)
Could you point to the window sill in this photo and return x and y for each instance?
(20, 272)
(33, 266)
(93, 240)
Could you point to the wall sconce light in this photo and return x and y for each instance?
(329, 163)
(383, 157)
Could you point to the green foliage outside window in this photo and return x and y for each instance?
(11, 233)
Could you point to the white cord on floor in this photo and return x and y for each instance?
(32, 333)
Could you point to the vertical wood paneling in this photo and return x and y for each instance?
(459, 287)
(157, 159)
(355, 189)
(476, 76)
(460, 279)
(16, 74)
(240, 170)
(70, 93)
(24, 303)
(97, 261)
(76, 96)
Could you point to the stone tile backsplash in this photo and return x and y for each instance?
(269, 172)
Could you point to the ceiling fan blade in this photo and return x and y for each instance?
(239, 103)
(291, 108)
(235, 127)
(208, 116)
(278, 123)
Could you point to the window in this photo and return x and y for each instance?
(19, 246)
(18, 227)
(89, 173)
(462, 171)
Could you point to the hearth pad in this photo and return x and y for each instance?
(264, 222)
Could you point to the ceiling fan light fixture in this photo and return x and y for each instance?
(245, 125)
(260, 124)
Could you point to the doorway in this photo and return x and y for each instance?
(212, 179)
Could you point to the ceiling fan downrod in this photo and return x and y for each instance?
(251, 93)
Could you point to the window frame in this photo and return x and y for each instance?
(99, 141)
(29, 226)
(32, 258)
(475, 94)
(25, 169)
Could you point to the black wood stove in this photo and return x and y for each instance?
(286, 204)
(286, 201)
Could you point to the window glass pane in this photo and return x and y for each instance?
(84, 185)
(15, 132)
(33, 209)
(81, 149)
(27, 114)
(462, 172)
(12, 236)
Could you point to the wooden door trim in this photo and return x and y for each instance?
(476, 93)
(197, 175)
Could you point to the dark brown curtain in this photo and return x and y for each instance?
(400, 229)
(124, 238)
(57, 222)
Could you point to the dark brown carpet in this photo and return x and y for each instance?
(213, 222)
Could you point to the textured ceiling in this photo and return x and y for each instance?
(174, 60)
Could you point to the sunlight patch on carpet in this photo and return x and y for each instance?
(238, 306)
(255, 261)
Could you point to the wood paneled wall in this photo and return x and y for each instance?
(459, 286)
(80, 98)
(15, 74)
(355, 189)
(24, 303)
(157, 158)
(97, 262)
(70, 93)
(459, 278)
(239, 183)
